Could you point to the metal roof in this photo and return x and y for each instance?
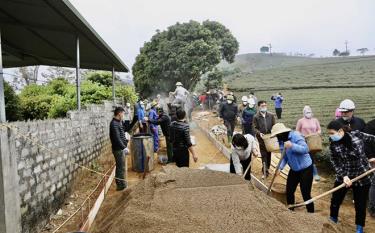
(44, 32)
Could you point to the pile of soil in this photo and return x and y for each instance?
(187, 200)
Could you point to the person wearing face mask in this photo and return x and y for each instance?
(349, 161)
(141, 117)
(240, 110)
(153, 116)
(370, 153)
(228, 112)
(262, 124)
(306, 126)
(247, 117)
(300, 163)
(127, 115)
(347, 109)
(119, 146)
(242, 148)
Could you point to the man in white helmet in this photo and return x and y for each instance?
(180, 94)
(347, 108)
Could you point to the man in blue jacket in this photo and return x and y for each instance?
(278, 100)
(300, 163)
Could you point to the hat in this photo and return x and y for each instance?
(279, 128)
(154, 103)
(346, 105)
(230, 97)
(179, 84)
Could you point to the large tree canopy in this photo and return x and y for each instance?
(182, 53)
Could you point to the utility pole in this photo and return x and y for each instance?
(270, 46)
(346, 46)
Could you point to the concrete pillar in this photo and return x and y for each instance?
(10, 207)
(2, 99)
(113, 86)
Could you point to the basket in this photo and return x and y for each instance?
(272, 145)
(314, 142)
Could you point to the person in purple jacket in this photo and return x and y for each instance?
(300, 163)
(278, 100)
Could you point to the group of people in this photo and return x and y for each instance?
(352, 147)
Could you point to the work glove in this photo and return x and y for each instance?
(125, 151)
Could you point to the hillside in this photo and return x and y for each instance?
(286, 72)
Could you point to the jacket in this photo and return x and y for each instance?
(263, 124)
(248, 116)
(370, 147)
(278, 100)
(164, 121)
(117, 135)
(297, 157)
(141, 114)
(152, 115)
(355, 123)
(351, 160)
(228, 111)
(180, 135)
(242, 154)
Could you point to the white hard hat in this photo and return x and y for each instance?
(251, 101)
(346, 105)
(179, 84)
(244, 98)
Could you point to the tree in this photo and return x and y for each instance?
(264, 49)
(101, 77)
(53, 72)
(362, 51)
(183, 52)
(344, 54)
(12, 103)
(214, 79)
(336, 52)
(25, 76)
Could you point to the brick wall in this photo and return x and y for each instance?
(45, 177)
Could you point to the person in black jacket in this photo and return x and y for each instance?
(228, 112)
(370, 153)
(119, 146)
(180, 139)
(164, 121)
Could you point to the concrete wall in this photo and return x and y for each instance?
(45, 178)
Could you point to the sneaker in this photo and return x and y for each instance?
(317, 178)
(333, 219)
(359, 229)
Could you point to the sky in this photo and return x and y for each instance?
(304, 26)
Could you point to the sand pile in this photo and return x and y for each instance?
(186, 200)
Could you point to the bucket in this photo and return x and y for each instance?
(314, 142)
(272, 145)
(142, 145)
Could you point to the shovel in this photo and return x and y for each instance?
(332, 190)
(276, 169)
(257, 183)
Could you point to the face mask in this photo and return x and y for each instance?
(283, 137)
(263, 110)
(308, 115)
(244, 103)
(251, 106)
(346, 118)
(336, 137)
(238, 148)
(230, 101)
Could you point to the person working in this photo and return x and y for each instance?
(180, 95)
(152, 115)
(127, 115)
(300, 163)
(119, 146)
(141, 117)
(228, 112)
(180, 138)
(278, 100)
(262, 124)
(370, 153)
(349, 161)
(242, 148)
(347, 109)
(309, 125)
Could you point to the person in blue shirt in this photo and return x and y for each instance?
(278, 100)
(300, 163)
(153, 116)
(141, 117)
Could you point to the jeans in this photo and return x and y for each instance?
(360, 198)
(120, 168)
(155, 134)
(230, 127)
(304, 178)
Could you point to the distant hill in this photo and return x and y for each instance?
(281, 72)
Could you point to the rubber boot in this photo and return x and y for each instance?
(359, 229)
(315, 173)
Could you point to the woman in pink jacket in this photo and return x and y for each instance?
(306, 126)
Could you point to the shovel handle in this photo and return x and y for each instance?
(276, 169)
(332, 190)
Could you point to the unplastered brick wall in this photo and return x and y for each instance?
(45, 178)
